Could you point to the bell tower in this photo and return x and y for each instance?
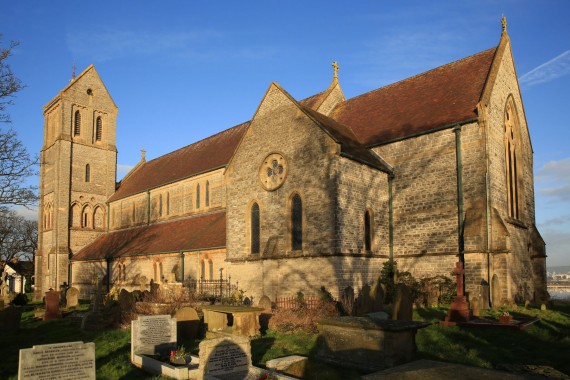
(78, 167)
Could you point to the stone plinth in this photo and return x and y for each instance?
(237, 320)
(365, 343)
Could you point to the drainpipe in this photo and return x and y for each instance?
(108, 259)
(181, 267)
(108, 216)
(148, 207)
(459, 161)
(69, 274)
(391, 217)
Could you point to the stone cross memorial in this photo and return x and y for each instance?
(153, 335)
(62, 361)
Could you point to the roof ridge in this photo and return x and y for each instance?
(420, 74)
(161, 222)
(197, 142)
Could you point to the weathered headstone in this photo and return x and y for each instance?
(364, 302)
(154, 287)
(72, 297)
(347, 300)
(265, 304)
(62, 361)
(475, 305)
(377, 297)
(402, 309)
(10, 318)
(126, 301)
(52, 305)
(225, 356)
(188, 323)
(153, 335)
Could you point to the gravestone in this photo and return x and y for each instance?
(265, 304)
(72, 297)
(403, 304)
(126, 301)
(484, 296)
(52, 305)
(153, 335)
(475, 305)
(377, 297)
(10, 318)
(62, 361)
(347, 300)
(188, 323)
(364, 302)
(225, 356)
(154, 287)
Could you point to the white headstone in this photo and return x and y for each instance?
(62, 361)
(153, 334)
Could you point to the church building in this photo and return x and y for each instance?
(316, 192)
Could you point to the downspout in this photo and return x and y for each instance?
(459, 161)
(181, 266)
(391, 217)
(148, 207)
(108, 216)
(69, 274)
(108, 259)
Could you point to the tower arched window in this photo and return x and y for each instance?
(77, 124)
(367, 232)
(207, 195)
(255, 229)
(198, 196)
(512, 173)
(87, 173)
(296, 223)
(98, 128)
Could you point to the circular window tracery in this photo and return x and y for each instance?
(273, 171)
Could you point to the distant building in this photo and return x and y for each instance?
(17, 274)
(308, 193)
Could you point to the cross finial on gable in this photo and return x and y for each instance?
(73, 68)
(504, 24)
(143, 157)
(335, 68)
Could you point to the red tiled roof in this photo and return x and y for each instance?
(199, 232)
(210, 153)
(436, 98)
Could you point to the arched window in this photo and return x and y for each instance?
(511, 130)
(99, 218)
(254, 229)
(98, 128)
(87, 173)
(77, 123)
(202, 269)
(160, 205)
(167, 203)
(75, 213)
(198, 196)
(87, 217)
(296, 223)
(207, 194)
(211, 269)
(367, 232)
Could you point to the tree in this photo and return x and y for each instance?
(16, 165)
(18, 237)
(9, 84)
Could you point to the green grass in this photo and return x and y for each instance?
(547, 342)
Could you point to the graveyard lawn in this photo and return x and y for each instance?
(545, 343)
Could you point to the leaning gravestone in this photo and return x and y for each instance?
(126, 301)
(153, 335)
(52, 305)
(62, 361)
(188, 323)
(403, 306)
(72, 297)
(224, 357)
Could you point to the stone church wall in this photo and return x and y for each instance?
(307, 150)
(360, 188)
(424, 202)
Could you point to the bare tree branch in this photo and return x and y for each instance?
(18, 237)
(16, 166)
(9, 84)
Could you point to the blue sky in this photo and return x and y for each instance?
(180, 71)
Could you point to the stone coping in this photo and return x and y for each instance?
(232, 309)
(373, 324)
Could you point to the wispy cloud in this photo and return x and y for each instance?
(123, 169)
(206, 45)
(549, 71)
(554, 178)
